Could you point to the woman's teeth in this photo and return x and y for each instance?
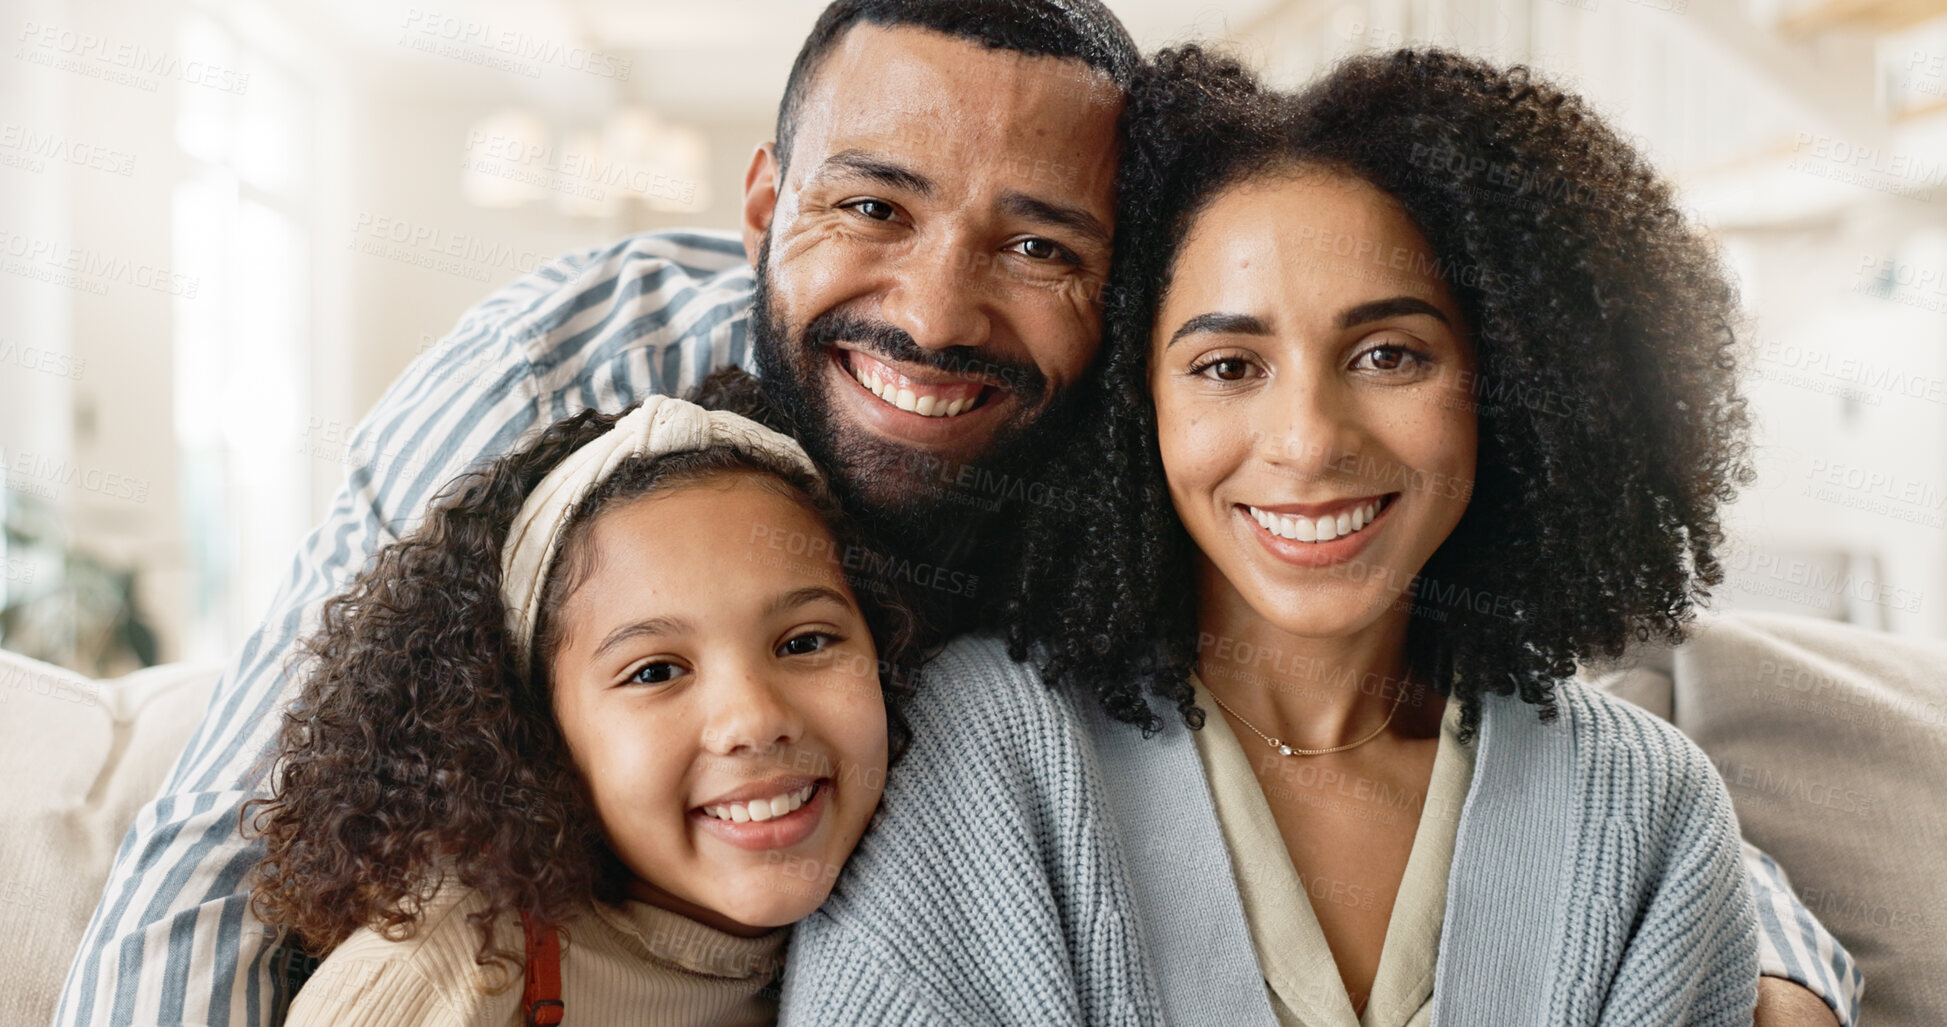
(1317, 529)
(905, 399)
(762, 809)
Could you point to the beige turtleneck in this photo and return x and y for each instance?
(620, 965)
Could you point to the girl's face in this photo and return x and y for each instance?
(1310, 372)
(719, 689)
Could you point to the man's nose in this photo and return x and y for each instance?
(937, 295)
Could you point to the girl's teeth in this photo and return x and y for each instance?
(762, 809)
(1320, 529)
(904, 399)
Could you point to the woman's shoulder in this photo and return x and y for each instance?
(1632, 762)
(427, 977)
(973, 691)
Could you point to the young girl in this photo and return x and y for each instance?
(612, 715)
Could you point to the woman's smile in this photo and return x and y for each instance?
(1317, 534)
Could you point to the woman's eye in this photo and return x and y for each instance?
(1386, 358)
(806, 644)
(658, 673)
(1225, 369)
(877, 210)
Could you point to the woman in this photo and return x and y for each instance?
(1419, 391)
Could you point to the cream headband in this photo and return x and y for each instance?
(662, 424)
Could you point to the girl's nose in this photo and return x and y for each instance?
(749, 713)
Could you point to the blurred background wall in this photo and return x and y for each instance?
(225, 227)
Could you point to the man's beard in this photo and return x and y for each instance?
(898, 491)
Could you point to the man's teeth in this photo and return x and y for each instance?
(762, 809)
(924, 406)
(1317, 529)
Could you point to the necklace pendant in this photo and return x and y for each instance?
(1285, 749)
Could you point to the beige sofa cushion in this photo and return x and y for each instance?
(1833, 741)
(79, 758)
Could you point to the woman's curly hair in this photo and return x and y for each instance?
(1610, 424)
(417, 754)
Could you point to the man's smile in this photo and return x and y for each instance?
(928, 394)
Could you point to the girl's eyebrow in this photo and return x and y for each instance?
(803, 596)
(652, 626)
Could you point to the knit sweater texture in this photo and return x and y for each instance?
(1039, 864)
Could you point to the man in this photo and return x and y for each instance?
(930, 234)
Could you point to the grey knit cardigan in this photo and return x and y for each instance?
(1037, 864)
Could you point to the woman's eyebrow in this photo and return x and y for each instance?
(1220, 324)
(1379, 310)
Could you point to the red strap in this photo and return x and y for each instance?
(542, 1000)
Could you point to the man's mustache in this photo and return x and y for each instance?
(890, 343)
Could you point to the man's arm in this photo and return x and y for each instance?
(172, 940)
(1805, 968)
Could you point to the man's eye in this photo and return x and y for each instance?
(658, 673)
(877, 210)
(1040, 249)
(806, 644)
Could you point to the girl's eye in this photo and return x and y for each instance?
(806, 644)
(658, 673)
(1224, 369)
(877, 210)
(1042, 249)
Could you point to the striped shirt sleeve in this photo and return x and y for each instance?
(1793, 945)
(171, 941)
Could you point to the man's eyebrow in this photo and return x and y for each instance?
(1379, 310)
(877, 168)
(1220, 324)
(802, 596)
(1073, 218)
(652, 626)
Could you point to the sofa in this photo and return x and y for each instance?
(1832, 739)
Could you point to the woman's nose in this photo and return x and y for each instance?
(1304, 423)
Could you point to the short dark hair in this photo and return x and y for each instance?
(1081, 30)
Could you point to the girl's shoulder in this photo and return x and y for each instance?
(429, 977)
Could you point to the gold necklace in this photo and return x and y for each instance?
(1292, 750)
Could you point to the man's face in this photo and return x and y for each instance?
(930, 268)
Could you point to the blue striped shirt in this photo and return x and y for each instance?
(172, 941)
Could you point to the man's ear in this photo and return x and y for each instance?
(760, 198)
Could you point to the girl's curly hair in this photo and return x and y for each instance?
(1610, 424)
(416, 754)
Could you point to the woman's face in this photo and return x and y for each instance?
(719, 689)
(1311, 375)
